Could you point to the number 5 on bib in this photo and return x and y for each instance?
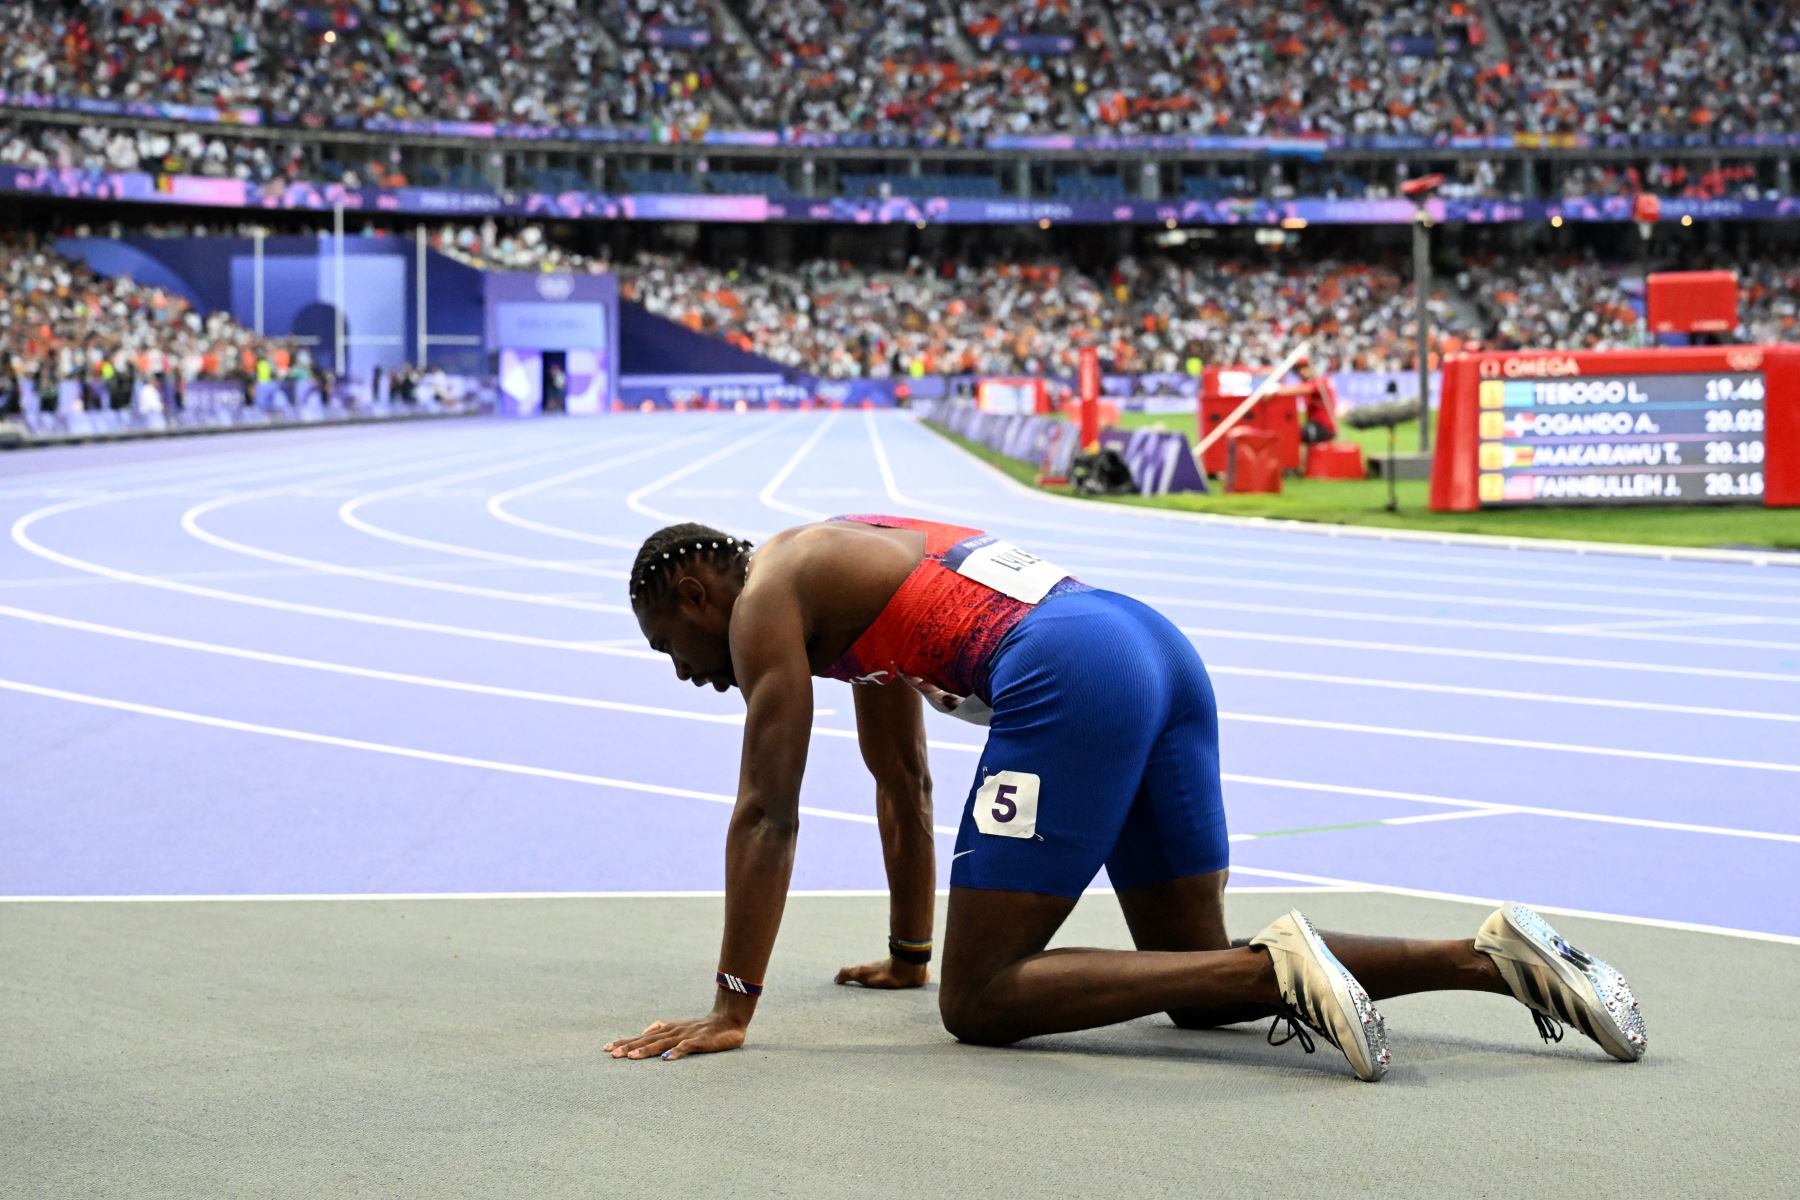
(1006, 804)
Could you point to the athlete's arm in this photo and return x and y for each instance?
(768, 655)
(890, 726)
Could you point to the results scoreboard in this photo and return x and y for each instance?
(1622, 439)
(1668, 427)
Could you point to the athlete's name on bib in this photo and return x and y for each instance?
(1005, 568)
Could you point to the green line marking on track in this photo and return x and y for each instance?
(1257, 837)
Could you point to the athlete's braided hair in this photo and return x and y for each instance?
(666, 550)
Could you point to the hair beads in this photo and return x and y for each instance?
(667, 550)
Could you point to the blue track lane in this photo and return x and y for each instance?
(398, 660)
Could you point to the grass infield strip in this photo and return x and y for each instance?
(1364, 502)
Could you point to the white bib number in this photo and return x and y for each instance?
(1011, 571)
(1007, 804)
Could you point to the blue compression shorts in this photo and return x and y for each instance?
(1103, 749)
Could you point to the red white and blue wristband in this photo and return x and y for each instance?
(744, 987)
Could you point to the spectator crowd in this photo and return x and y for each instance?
(1153, 313)
(1681, 66)
(60, 321)
(193, 150)
(1571, 304)
(953, 70)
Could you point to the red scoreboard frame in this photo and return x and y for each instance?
(1454, 470)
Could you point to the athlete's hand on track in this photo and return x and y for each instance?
(678, 1039)
(887, 973)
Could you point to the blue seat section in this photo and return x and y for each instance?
(961, 187)
(1089, 187)
(1350, 187)
(548, 179)
(747, 183)
(1214, 187)
(468, 178)
(660, 181)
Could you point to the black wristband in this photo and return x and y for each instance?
(916, 953)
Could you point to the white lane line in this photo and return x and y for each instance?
(1667, 623)
(1499, 810)
(767, 495)
(1547, 660)
(1447, 689)
(1492, 600)
(1507, 583)
(635, 499)
(1319, 530)
(1377, 618)
(113, 477)
(433, 756)
(1477, 739)
(244, 573)
(347, 513)
(402, 677)
(736, 719)
(18, 534)
(893, 492)
(891, 486)
(1460, 898)
(369, 618)
(1419, 619)
(186, 486)
(886, 472)
(341, 897)
(1564, 814)
(720, 798)
(190, 523)
(496, 508)
(21, 535)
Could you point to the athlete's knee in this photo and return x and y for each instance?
(967, 1019)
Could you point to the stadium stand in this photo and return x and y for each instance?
(59, 321)
(959, 313)
(952, 72)
(382, 78)
(191, 151)
(1704, 66)
(1576, 303)
(1147, 314)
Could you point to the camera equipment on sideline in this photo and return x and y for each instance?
(1385, 415)
(1102, 473)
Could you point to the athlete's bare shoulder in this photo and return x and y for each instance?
(839, 574)
(835, 554)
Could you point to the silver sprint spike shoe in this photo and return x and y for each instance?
(1321, 995)
(1561, 984)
